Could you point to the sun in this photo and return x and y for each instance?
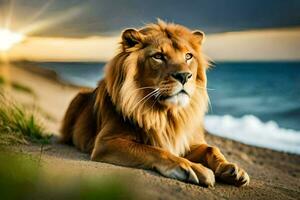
(9, 38)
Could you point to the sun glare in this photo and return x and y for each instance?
(8, 39)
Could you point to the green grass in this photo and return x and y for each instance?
(17, 175)
(2, 80)
(23, 177)
(17, 86)
(17, 125)
(21, 88)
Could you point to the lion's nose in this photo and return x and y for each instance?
(182, 77)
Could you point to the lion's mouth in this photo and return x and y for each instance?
(165, 97)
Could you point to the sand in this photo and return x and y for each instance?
(274, 175)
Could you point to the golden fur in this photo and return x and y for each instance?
(148, 111)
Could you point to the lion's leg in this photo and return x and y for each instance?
(71, 115)
(128, 153)
(215, 160)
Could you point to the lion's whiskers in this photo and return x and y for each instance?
(142, 88)
(156, 99)
(196, 102)
(209, 103)
(146, 97)
(157, 93)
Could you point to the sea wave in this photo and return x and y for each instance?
(251, 130)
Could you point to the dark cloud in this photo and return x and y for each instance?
(102, 17)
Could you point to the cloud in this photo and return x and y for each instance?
(262, 45)
(65, 49)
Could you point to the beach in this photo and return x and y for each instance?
(274, 175)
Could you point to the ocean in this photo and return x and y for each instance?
(257, 103)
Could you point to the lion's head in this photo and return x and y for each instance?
(160, 70)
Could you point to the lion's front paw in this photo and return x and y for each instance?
(232, 174)
(178, 170)
(206, 176)
(189, 172)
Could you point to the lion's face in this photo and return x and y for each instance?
(162, 66)
(168, 73)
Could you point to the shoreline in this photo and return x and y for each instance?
(273, 174)
(50, 74)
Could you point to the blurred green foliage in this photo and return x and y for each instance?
(18, 176)
(21, 177)
(17, 86)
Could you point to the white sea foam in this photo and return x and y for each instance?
(250, 130)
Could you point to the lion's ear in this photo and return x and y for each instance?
(130, 38)
(199, 35)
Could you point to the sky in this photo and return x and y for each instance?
(89, 30)
(106, 17)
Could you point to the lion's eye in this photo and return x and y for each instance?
(188, 56)
(158, 56)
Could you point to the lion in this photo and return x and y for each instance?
(148, 110)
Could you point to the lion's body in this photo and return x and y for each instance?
(126, 121)
(82, 124)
